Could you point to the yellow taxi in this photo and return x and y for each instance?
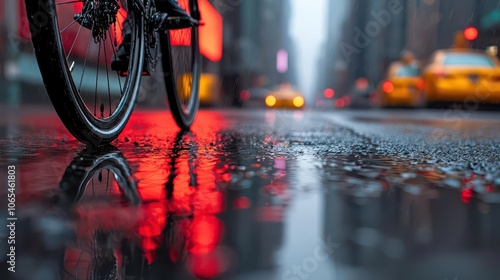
(209, 88)
(285, 96)
(403, 85)
(462, 75)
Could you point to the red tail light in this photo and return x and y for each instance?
(329, 93)
(388, 87)
(420, 84)
(471, 33)
(443, 74)
(339, 103)
(347, 100)
(245, 95)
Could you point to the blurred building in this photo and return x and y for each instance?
(255, 32)
(423, 19)
(433, 23)
(374, 35)
(8, 51)
(373, 38)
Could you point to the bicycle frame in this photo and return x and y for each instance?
(142, 7)
(195, 14)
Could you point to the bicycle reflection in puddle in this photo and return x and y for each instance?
(100, 225)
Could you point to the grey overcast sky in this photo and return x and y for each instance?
(308, 30)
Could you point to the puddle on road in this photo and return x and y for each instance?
(244, 204)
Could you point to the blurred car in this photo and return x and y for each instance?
(326, 100)
(403, 86)
(360, 95)
(461, 75)
(343, 102)
(323, 103)
(209, 89)
(254, 97)
(285, 96)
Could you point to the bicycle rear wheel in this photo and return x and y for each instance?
(74, 57)
(181, 62)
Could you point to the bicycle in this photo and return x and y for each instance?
(61, 41)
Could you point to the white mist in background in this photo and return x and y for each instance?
(309, 30)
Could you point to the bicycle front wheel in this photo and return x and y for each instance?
(181, 62)
(75, 42)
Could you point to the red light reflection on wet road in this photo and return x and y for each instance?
(180, 187)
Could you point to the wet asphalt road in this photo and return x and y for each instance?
(258, 195)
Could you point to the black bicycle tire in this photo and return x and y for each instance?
(59, 83)
(184, 120)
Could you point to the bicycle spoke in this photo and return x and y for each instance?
(85, 62)
(78, 261)
(107, 76)
(107, 182)
(182, 63)
(74, 41)
(68, 26)
(74, 21)
(97, 80)
(92, 184)
(70, 2)
(117, 74)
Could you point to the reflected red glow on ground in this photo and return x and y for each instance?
(195, 199)
(206, 266)
(467, 195)
(270, 214)
(150, 229)
(206, 232)
(242, 203)
(186, 222)
(101, 211)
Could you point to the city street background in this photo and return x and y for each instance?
(341, 140)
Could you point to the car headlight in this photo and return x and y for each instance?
(298, 101)
(270, 101)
